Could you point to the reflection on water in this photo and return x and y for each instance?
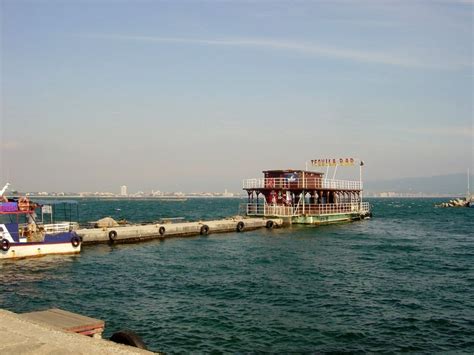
(25, 278)
(34, 269)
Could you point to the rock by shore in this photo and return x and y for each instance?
(458, 202)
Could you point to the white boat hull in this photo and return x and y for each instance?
(26, 250)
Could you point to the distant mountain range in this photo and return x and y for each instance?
(453, 184)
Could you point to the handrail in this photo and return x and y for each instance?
(60, 227)
(254, 209)
(310, 183)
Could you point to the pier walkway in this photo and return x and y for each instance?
(24, 336)
(135, 233)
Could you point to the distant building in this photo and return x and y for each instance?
(156, 193)
(123, 191)
(227, 194)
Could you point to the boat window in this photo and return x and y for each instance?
(4, 219)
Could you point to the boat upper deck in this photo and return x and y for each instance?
(291, 179)
(303, 183)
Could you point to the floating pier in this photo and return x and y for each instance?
(135, 233)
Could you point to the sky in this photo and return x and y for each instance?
(198, 95)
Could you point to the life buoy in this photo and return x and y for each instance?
(162, 230)
(240, 226)
(269, 224)
(5, 245)
(112, 235)
(75, 241)
(204, 230)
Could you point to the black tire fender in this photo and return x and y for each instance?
(240, 226)
(269, 224)
(162, 230)
(75, 241)
(5, 245)
(204, 230)
(112, 236)
(128, 337)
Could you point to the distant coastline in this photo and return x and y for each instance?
(118, 197)
(237, 197)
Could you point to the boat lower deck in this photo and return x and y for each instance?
(27, 250)
(328, 218)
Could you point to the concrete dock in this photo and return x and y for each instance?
(135, 233)
(25, 336)
(68, 321)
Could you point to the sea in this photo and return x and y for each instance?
(402, 281)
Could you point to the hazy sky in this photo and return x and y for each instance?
(197, 95)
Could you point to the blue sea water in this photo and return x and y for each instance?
(402, 281)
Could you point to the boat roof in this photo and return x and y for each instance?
(11, 207)
(43, 201)
(292, 171)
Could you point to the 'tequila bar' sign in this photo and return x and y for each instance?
(333, 162)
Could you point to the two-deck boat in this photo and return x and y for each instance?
(22, 236)
(306, 197)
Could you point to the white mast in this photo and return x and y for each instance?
(2, 191)
(468, 197)
(361, 164)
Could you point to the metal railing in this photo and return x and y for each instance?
(269, 210)
(254, 209)
(60, 227)
(306, 183)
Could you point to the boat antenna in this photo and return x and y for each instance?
(468, 189)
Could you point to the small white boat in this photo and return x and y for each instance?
(21, 240)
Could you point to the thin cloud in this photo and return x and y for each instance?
(451, 131)
(9, 145)
(292, 46)
(462, 2)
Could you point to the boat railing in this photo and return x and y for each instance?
(60, 227)
(306, 183)
(254, 209)
(269, 210)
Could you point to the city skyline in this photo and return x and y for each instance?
(435, 186)
(200, 95)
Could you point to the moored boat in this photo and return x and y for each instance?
(22, 236)
(306, 197)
